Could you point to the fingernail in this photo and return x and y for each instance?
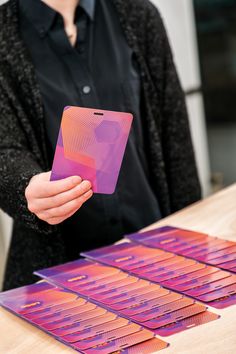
(76, 180)
(86, 184)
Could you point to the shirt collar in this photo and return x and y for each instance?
(42, 16)
(89, 7)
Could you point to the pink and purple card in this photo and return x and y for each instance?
(187, 323)
(81, 273)
(128, 256)
(91, 143)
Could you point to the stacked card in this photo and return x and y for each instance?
(77, 322)
(190, 277)
(148, 304)
(196, 245)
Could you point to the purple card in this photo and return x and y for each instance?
(203, 271)
(224, 302)
(165, 238)
(79, 274)
(191, 284)
(212, 255)
(175, 316)
(151, 304)
(115, 296)
(112, 335)
(215, 285)
(91, 144)
(96, 330)
(119, 344)
(138, 299)
(163, 310)
(187, 323)
(218, 294)
(228, 265)
(122, 290)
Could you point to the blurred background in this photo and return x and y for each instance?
(203, 39)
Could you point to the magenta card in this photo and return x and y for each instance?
(81, 326)
(128, 281)
(96, 330)
(79, 274)
(212, 255)
(148, 347)
(48, 311)
(191, 243)
(165, 238)
(230, 265)
(162, 278)
(75, 319)
(224, 259)
(218, 294)
(100, 339)
(122, 290)
(61, 315)
(224, 302)
(152, 304)
(121, 343)
(138, 299)
(187, 323)
(115, 297)
(146, 262)
(34, 298)
(160, 264)
(204, 270)
(91, 143)
(202, 280)
(162, 310)
(175, 316)
(101, 285)
(215, 285)
(162, 269)
(129, 256)
(213, 246)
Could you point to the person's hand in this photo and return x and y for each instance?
(55, 201)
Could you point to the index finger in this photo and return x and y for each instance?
(52, 188)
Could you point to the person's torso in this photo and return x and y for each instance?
(99, 72)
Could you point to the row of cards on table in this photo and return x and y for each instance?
(106, 310)
(151, 256)
(77, 322)
(196, 245)
(124, 295)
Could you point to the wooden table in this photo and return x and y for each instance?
(215, 215)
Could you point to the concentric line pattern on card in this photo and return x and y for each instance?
(141, 301)
(75, 321)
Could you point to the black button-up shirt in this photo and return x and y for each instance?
(99, 72)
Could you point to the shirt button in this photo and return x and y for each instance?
(42, 32)
(86, 89)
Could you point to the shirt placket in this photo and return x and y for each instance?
(79, 72)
